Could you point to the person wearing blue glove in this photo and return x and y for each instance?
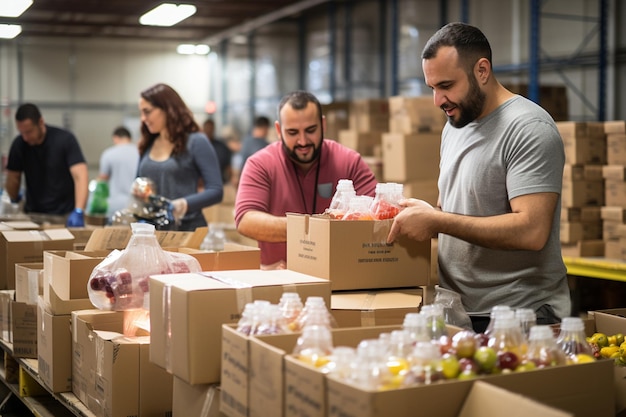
(54, 168)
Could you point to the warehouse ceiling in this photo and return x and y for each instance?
(120, 18)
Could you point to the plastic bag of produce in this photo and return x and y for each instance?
(121, 280)
(453, 310)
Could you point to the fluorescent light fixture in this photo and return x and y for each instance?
(10, 31)
(167, 14)
(190, 49)
(14, 8)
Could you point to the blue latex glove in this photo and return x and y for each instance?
(18, 198)
(76, 218)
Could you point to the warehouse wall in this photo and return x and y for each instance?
(91, 85)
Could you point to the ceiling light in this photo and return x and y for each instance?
(167, 14)
(190, 49)
(10, 31)
(14, 8)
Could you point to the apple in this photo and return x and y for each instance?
(486, 358)
(482, 339)
(508, 360)
(445, 344)
(468, 364)
(525, 365)
(464, 344)
(467, 374)
(450, 366)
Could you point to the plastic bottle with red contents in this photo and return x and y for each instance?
(359, 208)
(341, 200)
(385, 205)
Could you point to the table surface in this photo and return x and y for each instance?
(596, 267)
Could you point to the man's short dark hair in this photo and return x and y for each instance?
(471, 44)
(298, 100)
(28, 111)
(261, 121)
(121, 132)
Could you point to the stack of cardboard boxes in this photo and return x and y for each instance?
(583, 187)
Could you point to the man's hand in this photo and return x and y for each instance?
(76, 218)
(413, 221)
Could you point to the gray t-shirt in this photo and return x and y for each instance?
(513, 151)
(119, 163)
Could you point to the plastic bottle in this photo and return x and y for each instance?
(435, 322)
(496, 312)
(399, 349)
(214, 239)
(527, 319)
(341, 199)
(572, 340)
(359, 208)
(271, 321)
(508, 342)
(340, 362)
(415, 325)
(542, 348)
(314, 312)
(385, 204)
(315, 345)
(291, 308)
(425, 362)
(370, 368)
(244, 325)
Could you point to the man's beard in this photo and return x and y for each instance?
(291, 153)
(470, 107)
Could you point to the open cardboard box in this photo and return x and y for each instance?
(354, 255)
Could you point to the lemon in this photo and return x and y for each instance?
(607, 351)
(612, 340)
(582, 358)
(620, 338)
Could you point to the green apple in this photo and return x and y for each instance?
(486, 358)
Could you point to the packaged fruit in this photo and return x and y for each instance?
(572, 340)
(121, 281)
(542, 348)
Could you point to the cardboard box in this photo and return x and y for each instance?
(585, 150)
(254, 374)
(616, 149)
(612, 249)
(6, 296)
(19, 225)
(26, 246)
(410, 157)
(374, 308)
(580, 214)
(415, 114)
(582, 172)
(54, 346)
(112, 373)
(187, 312)
(487, 400)
(613, 213)
(569, 129)
(375, 163)
(65, 278)
(583, 248)
(365, 143)
(615, 193)
(353, 255)
(195, 400)
(234, 256)
(587, 392)
(610, 322)
(23, 329)
(582, 193)
(28, 282)
(369, 115)
(117, 237)
(573, 232)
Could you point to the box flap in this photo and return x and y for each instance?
(487, 400)
(19, 225)
(376, 300)
(109, 238)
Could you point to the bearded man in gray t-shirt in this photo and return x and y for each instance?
(500, 181)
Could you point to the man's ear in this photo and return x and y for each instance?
(482, 70)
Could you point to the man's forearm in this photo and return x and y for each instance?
(263, 226)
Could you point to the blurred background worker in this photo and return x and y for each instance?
(54, 168)
(118, 166)
(224, 154)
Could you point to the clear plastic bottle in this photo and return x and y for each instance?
(572, 340)
(258, 313)
(527, 318)
(542, 348)
(244, 325)
(272, 321)
(341, 199)
(425, 364)
(214, 239)
(359, 208)
(314, 312)
(435, 321)
(399, 349)
(498, 311)
(291, 308)
(508, 342)
(415, 325)
(315, 345)
(385, 203)
(370, 368)
(340, 362)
